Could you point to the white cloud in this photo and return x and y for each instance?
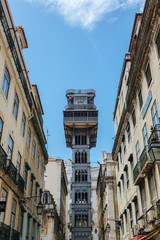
(86, 12)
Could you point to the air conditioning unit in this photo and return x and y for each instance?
(135, 230)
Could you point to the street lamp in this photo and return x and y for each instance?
(39, 208)
(154, 151)
(108, 228)
(154, 144)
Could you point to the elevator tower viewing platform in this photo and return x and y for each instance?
(80, 119)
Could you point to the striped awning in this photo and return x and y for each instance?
(152, 236)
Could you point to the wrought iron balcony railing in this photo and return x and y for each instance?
(81, 119)
(10, 169)
(6, 233)
(143, 164)
(80, 106)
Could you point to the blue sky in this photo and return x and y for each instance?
(76, 44)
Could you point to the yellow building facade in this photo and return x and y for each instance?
(137, 110)
(23, 154)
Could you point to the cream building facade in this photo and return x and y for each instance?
(107, 199)
(137, 109)
(56, 182)
(22, 141)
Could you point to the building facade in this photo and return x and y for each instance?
(137, 110)
(56, 183)
(23, 153)
(80, 124)
(107, 199)
(51, 226)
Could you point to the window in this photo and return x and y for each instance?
(132, 166)
(1, 128)
(120, 191)
(158, 43)
(3, 198)
(143, 197)
(38, 159)
(152, 187)
(128, 131)
(31, 187)
(134, 117)
(136, 209)
(154, 113)
(6, 82)
(19, 162)
(28, 225)
(42, 168)
(148, 74)
(117, 160)
(126, 221)
(15, 106)
(120, 154)
(137, 151)
(29, 138)
(123, 185)
(25, 178)
(124, 144)
(131, 216)
(140, 98)
(13, 213)
(23, 123)
(122, 225)
(33, 230)
(145, 135)
(34, 150)
(10, 147)
(127, 177)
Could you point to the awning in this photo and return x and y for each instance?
(152, 235)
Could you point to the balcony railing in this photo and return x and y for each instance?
(80, 106)
(6, 233)
(80, 91)
(10, 169)
(143, 165)
(81, 119)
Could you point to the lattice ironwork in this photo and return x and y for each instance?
(10, 169)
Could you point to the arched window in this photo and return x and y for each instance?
(6, 83)
(29, 138)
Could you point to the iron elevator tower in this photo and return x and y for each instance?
(80, 119)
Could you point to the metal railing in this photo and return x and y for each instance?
(80, 106)
(80, 119)
(80, 91)
(140, 164)
(6, 233)
(10, 169)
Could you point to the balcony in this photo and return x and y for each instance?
(11, 171)
(80, 91)
(6, 233)
(80, 106)
(142, 167)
